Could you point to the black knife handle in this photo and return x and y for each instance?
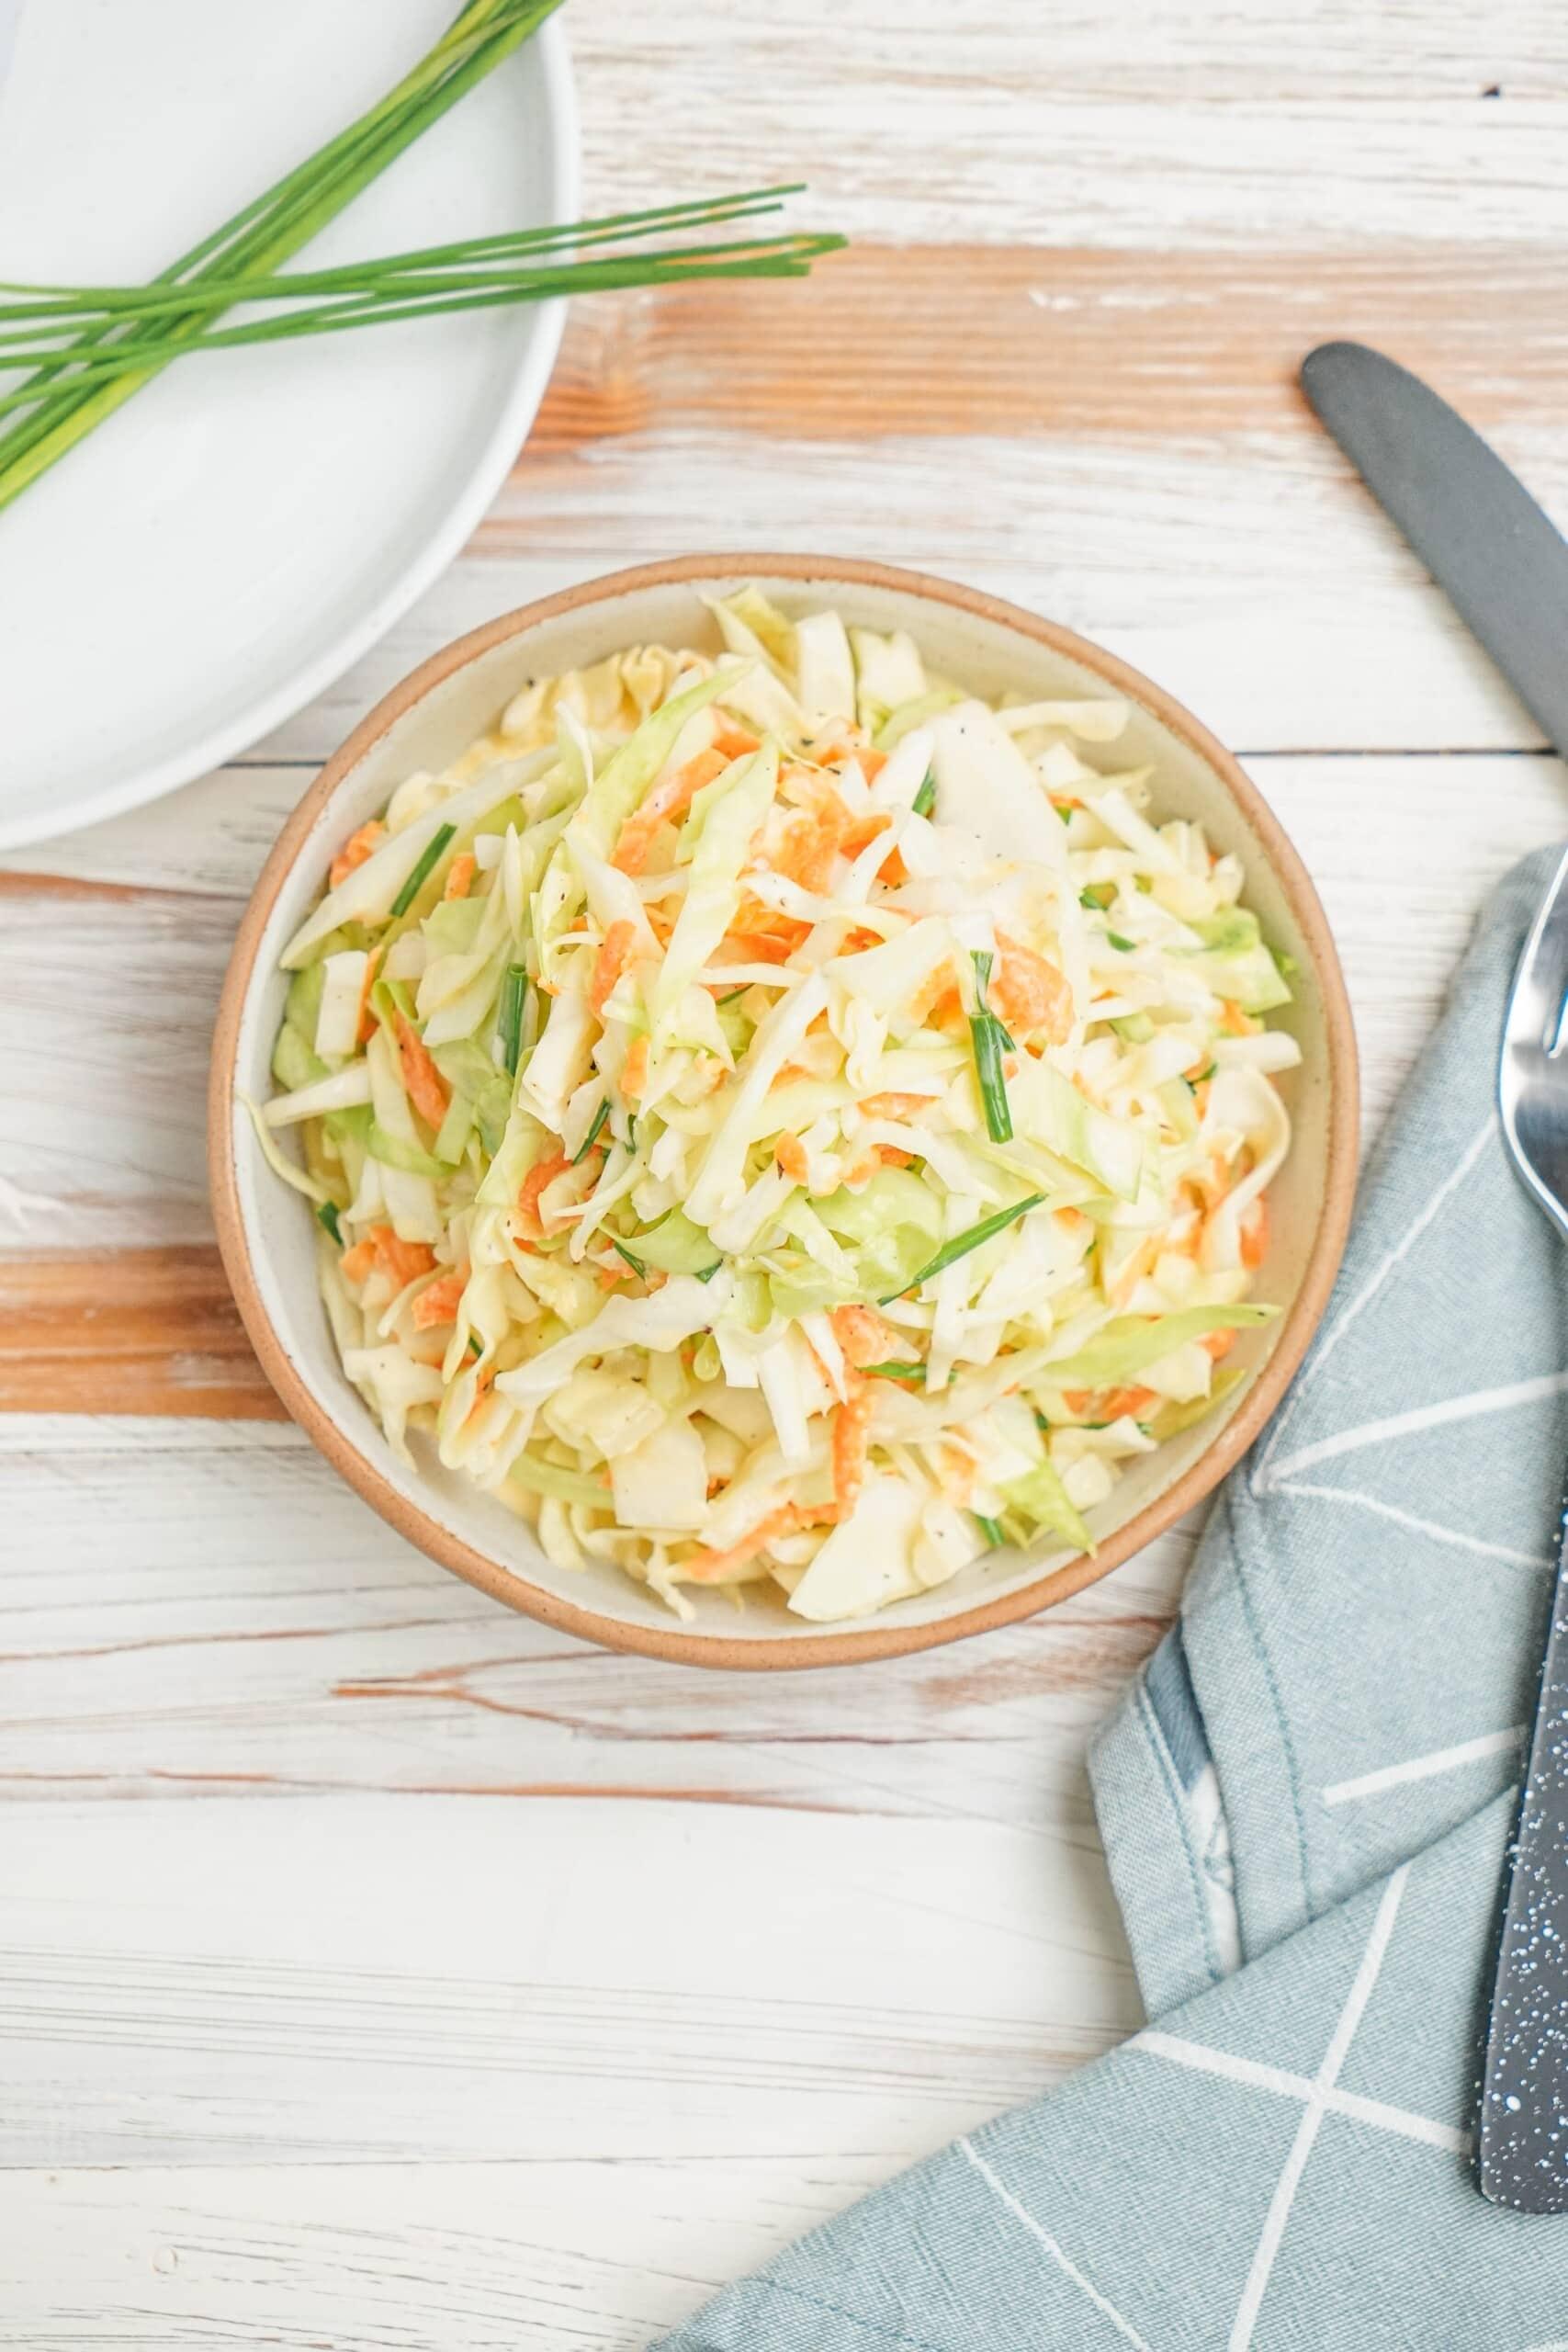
(1523, 2154)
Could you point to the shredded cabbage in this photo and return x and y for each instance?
(667, 1105)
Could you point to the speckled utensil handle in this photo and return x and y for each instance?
(1523, 2155)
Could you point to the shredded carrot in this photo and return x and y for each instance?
(355, 1263)
(616, 953)
(367, 1028)
(534, 1184)
(862, 1168)
(864, 1336)
(355, 850)
(757, 947)
(1109, 1404)
(870, 764)
(439, 1304)
(712, 1567)
(423, 1083)
(862, 831)
(460, 876)
(1235, 1021)
(666, 803)
(1029, 993)
(634, 1070)
(402, 1261)
(1255, 1232)
(891, 1156)
(851, 1445)
(1216, 1344)
(790, 1153)
(734, 742)
(896, 1106)
(937, 998)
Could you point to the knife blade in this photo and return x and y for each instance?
(1503, 563)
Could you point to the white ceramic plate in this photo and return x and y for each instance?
(244, 528)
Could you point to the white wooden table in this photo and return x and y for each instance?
(377, 1969)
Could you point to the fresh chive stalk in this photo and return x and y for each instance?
(1114, 939)
(429, 858)
(395, 299)
(634, 1263)
(991, 1529)
(895, 1370)
(925, 800)
(962, 1243)
(274, 226)
(327, 1214)
(986, 1035)
(509, 1020)
(592, 1138)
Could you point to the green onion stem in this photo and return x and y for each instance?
(612, 228)
(987, 1036)
(592, 1138)
(509, 1019)
(962, 1243)
(277, 223)
(789, 259)
(429, 858)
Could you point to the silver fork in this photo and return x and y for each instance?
(1524, 2109)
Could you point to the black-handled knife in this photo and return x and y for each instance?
(1504, 566)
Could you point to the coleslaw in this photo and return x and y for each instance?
(778, 1120)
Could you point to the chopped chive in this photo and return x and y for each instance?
(509, 1021)
(1099, 896)
(925, 800)
(962, 1243)
(1115, 939)
(1196, 1083)
(435, 849)
(592, 1138)
(475, 1345)
(895, 1370)
(733, 994)
(706, 1274)
(622, 1252)
(631, 1130)
(991, 1529)
(986, 1034)
(327, 1214)
(1064, 810)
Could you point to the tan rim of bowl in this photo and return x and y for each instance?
(872, 1640)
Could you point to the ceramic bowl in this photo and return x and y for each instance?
(267, 1239)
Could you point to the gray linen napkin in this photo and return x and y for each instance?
(1305, 1801)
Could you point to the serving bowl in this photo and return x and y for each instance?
(266, 1233)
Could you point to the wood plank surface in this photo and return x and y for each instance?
(380, 1970)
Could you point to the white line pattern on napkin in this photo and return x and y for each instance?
(1334, 2057)
(1371, 1287)
(1423, 1767)
(1064, 2262)
(1201, 2058)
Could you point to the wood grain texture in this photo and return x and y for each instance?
(143, 1331)
(1030, 341)
(150, 1659)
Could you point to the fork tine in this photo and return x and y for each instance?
(1537, 1009)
